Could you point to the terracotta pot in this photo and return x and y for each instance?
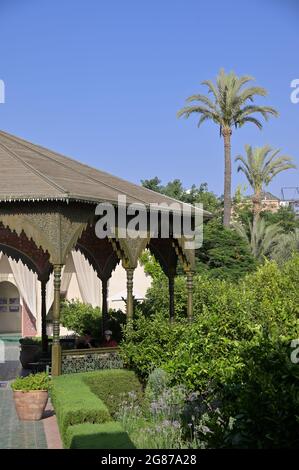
(30, 405)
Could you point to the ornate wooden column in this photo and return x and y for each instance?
(56, 348)
(130, 300)
(190, 295)
(171, 276)
(43, 317)
(104, 304)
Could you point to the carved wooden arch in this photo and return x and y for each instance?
(54, 226)
(186, 255)
(164, 252)
(20, 247)
(98, 251)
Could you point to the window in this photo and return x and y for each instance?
(11, 304)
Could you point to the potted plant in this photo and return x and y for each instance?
(31, 395)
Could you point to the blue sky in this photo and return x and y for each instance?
(102, 81)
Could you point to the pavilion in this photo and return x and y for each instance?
(47, 209)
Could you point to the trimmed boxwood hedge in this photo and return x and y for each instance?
(74, 403)
(113, 387)
(98, 436)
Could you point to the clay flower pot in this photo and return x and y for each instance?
(30, 405)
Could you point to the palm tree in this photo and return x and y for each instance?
(261, 238)
(231, 106)
(287, 245)
(260, 166)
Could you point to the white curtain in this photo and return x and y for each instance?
(27, 283)
(50, 292)
(89, 283)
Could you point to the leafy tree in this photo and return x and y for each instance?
(175, 189)
(285, 216)
(231, 105)
(150, 265)
(154, 184)
(224, 254)
(78, 317)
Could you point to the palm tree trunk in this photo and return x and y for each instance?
(227, 176)
(257, 202)
(257, 208)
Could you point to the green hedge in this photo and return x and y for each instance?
(98, 436)
(112, 386)
(74, 403)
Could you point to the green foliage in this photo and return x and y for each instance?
(224, 253)
(157, 297)
(151, 266)
(40, 381)
(31, 341)
(154, 424)
(285, 217)
(157, 382)
(113, 386)
(194, 195)
(78, 317)
(264, 399)
(74, 403)
(236, 354)
(261, 165)
(262, 239)
(287, 245)
(109, 435)
(115, 322)
(229, 104)
(226, 315)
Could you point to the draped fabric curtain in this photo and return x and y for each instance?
(29, 286)
(88, 281)
(50, 292)
(27, 282)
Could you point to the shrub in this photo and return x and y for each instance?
(31, 341)
(78, 317)
(74, 403)
(263, 403)
(235, 353)
(109, 435)
(113, 386)
(40, 381)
